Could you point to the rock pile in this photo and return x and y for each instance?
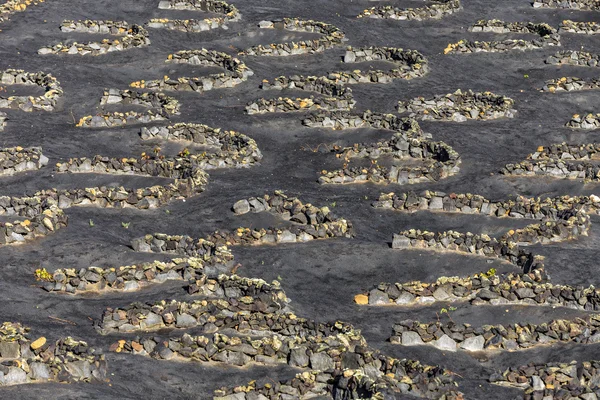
(46, 102)
(571, 57)
(437, 10)
(228, 11)
(589, 5)
(235, 73)
(408, 141)
(10, 7)
(559, 161)
(570, 84)
(42, 218)
(26, 361)
(332, 37)
(553, 380)
(451, 336)
(589, 28)
(549, 36)
(165, 105)
(17, 159)
(589, 121)
(459, 106)
(133, 36)
(3, 118)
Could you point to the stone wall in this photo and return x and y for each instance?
(451, 336)
(18, 159)
(467, 203)
(556, 161)
(332, 37)
(133, 277)
(46, 102)
(133, 36)
(589, 28)
(569, 84)
(408, 141)
(361, 373)
(588, 5)
(368, 119)
(437, 10)
(42, 219)
(563, 218)
(228, 11)
(309, 223)
(459, 106)
(410, 64)
(553, 380)
(44, 208)
(166, 106)
(324, 350)
(549, 36)
(485, 288)
(286, 104)
(231, 149)
(235, 73)
(587, 121)
(36, 361)
(572, 57)
(254, 313)
(469, 243)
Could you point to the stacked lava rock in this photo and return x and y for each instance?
(459, 106)
(549, 36)
(46, 102)
(571, 57)
(133, 36)
(451, 336)
(228, 11)
(590, 5)
(332, 37)
(553, 380)
(439, 9)
(34, 361)
(18, 159)
(570, 84)
(408, 141)
(166, 105)
(235, 73)
(485, 288)
(559, 161)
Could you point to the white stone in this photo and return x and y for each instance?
(445, 343)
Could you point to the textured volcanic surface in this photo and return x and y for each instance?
(320, 277)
